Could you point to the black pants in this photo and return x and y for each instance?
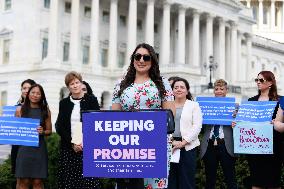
(130, 183)
(212, 157)
(182, 174)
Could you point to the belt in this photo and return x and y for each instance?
(219, 141)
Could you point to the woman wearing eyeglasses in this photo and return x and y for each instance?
(265, 170)
(142, 88)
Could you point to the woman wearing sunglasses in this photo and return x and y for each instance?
(265, 170)
(142, 88)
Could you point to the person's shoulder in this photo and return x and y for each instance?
(65, 100)
(90, 97)
(254, 98)
(165, 80)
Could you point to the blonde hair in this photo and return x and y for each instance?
(71, 76)
(220, 83)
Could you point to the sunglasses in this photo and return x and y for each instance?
(259, 80)
(138, 56)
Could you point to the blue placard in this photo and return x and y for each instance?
(253, 138)
(256, 111)
(217, 110)
(19, 131)
(9, 111)
(125, 144)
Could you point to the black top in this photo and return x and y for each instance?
(63, 122)
(277, 136)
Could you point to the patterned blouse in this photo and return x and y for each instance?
(142, 96)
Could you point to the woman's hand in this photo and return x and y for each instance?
(77, 148)
(233, 124)
(178, 144)
(278, 125)
(40, 130)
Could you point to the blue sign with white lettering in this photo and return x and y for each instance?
(8, 111)
(19, 131)
(217, 110)
(256, 111)
(125, 144)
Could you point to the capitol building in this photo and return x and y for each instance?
(45, 39)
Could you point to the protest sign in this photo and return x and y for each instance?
(253, 138)
(253, 133)
(19, 131)
(125, 144)
(217, 110)
(8, 111)
(256, 111)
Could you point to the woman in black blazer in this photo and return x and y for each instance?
(69, 128)
(265, 169)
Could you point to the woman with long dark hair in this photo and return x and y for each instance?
(188, 123)
(265, 170)
(25, 86)
(31, 162)
(142, 88)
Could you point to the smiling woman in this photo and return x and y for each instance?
(142, 88)
(31, 162)
(69, 128)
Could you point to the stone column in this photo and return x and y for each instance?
(132, 28)
(282, 16)
(209, 36)
(221, 50)
(165, 43)
(248, 3)
(228, 66)
(272, 11)
(260, 14)
(52, 53)
(240, 76)
(181, 35)
(248, 64)
(234, 51)
(75, 34)
(195, 39)
(149, 30)
(112, 54)
(95, 42)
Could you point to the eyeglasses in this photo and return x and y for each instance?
(259, 80)
(138, 56)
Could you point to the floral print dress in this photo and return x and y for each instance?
(145, 96)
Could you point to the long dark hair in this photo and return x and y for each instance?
(188, 96)
(42, 103)
(154, 72)
(29, 81)
(269, 76)
(88, 87)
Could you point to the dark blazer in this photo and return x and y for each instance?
(228, 138)
(63, 122)
(278, 138)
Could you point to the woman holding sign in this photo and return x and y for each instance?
(265, 170)
(142, 88)
(25, 87)
(188, 123)
(69, 128)
(31, 162)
